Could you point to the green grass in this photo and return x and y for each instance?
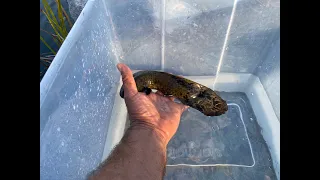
(60, 24)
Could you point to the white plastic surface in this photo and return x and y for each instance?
(185, 37)
(267, 120)
(76, 97)
(230, 82)
(207, 152)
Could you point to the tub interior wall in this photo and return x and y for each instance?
(76, 97)
(269, 74)
(194, 33)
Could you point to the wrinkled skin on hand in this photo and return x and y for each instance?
(154, 111)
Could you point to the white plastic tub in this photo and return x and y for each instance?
(81, 114)
(229, 82)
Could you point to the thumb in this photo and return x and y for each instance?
(183, 107)
(129, 84)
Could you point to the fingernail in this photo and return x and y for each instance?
(119, 66)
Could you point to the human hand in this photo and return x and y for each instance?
(155, 111)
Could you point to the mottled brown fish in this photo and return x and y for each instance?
(186, 91)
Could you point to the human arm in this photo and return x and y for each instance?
(141, 153)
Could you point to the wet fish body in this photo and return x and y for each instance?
(186, 91)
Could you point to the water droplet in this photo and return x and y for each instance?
(74, 77)
(251, 119)
(251, 94)
(58, 129)
(98, 129)
(62, 143)
(74, 107)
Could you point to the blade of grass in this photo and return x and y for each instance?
(46, 58)
(68, 19)
(53, 25)
(44, 64)
(51, 56)
(49, 11)
(54, 37)
(51, 17)
(60, 37)
(60, 17)
(47, 61)
(46, 54)
(48, 46)
(59, 26)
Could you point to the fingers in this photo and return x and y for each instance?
(184, 107)
(129, 84)
(171, 98)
